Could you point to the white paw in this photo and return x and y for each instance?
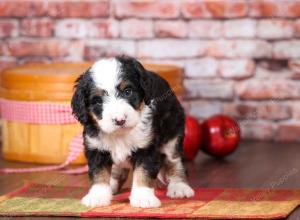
(144, 197)
(98, 195)
(179, 190)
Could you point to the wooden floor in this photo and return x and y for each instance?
(253, 165)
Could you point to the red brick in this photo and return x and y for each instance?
(107, 48)
(75, 52)
(34, 60)
(146, 9)
(3, 48)
(177, 29)
(215, 8)
(203, 109)
(42, 27)
(78, 28)
(242, 28)
(274, 111)
(8, 28)
(6, 62)
(264, 72)
(138, 29)
(178, 62)
(241, 111)
(201, 68)
(194, 9)
(254, 111)
(264, 8)
(294, 66)
(239, 49)
(71, 28)
(28, 8)
(237, 69)
(208, 89)
(274, 8)
(291, 9)
(52, 48)
(74, 8)
(169, 48)
(227, 9)
(297, 28)
(268, 89)
(296, 110)
(288, 132)
(273, 64)
(275, 28)
(205, 29)
(286, 49)
(256, 130)
(104, 28)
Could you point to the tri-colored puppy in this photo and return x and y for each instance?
(131, 118)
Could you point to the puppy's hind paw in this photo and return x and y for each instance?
(179, 190)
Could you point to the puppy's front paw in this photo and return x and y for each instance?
(179, 190)
(99, 195)
(144, 197)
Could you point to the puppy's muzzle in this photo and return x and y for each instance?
(119, 122)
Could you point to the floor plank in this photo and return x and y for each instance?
(253, 165)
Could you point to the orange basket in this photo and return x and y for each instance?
(44, 143)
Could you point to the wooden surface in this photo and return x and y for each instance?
(253, 165)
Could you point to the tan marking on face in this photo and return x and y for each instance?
(142, 106)
(94, 117)
(98, 92)
(123, 85)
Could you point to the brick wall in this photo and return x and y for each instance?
(240, 57)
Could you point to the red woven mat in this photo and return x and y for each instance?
(47, 200)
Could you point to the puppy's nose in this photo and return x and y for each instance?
(119, 122)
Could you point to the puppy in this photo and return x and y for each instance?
(131, 118)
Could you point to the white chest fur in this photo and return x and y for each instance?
(122, 144)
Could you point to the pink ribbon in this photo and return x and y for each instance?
(44, 113)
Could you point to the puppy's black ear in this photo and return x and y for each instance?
(80, 97)
(146, 82)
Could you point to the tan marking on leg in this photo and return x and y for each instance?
(175, 170)
(173, 165)
(102, 176)
(118, 177)
(100, 193)
(141, 178)
(178, 186)
(142, 193)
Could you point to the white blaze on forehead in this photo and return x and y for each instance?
(105, 73)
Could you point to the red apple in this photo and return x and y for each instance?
(221, 135)
(192, 138)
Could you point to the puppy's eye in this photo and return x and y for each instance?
(127, 92)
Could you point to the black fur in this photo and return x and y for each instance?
(97, 160)
(168, 115)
